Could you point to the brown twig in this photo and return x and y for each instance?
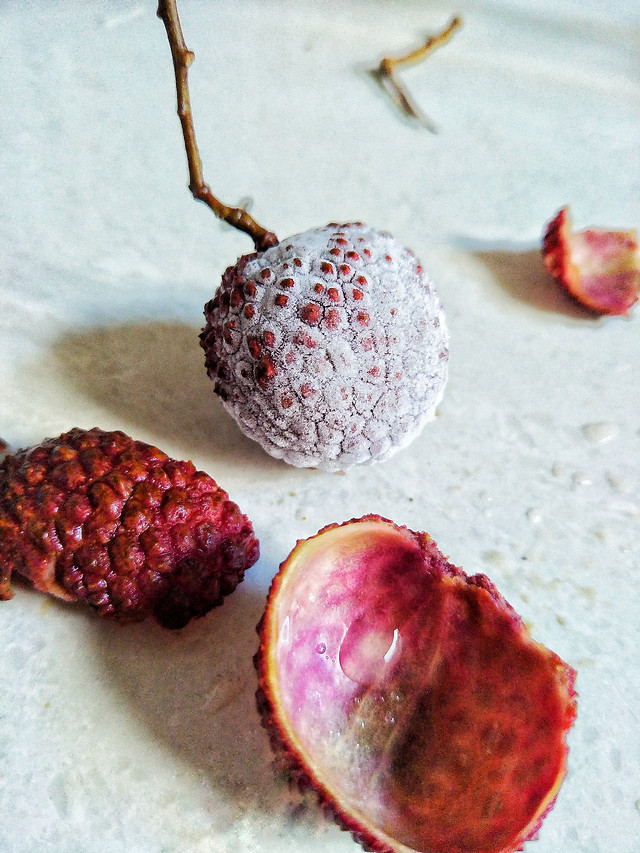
(182, 59)
(385, 72)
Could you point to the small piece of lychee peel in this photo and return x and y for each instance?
(338, 413)
(599, 268)
(293, 762)
(198, 543)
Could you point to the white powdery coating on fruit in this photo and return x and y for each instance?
(329, 349)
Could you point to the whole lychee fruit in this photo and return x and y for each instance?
(98, 517)
(330, 348)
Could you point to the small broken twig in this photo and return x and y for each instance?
(182, 59)
(385, 72)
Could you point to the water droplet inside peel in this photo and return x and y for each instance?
(393, 647)
(284, 637)
(598, 433)
(321, 648)
(366, 650)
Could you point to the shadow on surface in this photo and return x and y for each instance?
(194, 691)
(152, 375)
(521, 274)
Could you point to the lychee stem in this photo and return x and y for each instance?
(385, 75)
(182, 59)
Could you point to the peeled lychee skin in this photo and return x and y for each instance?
(330, 349)
(98, 517)
(409, 695)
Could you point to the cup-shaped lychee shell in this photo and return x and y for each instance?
(409, 695)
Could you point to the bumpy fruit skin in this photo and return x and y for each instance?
(98, 517)
(330, 349)
(599, 268)
(410, 696)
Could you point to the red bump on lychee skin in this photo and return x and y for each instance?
(599, 268)
(410, 696)
(255, 347)
(126, 529)
(311, 314)
(335, 314)
(265, 371)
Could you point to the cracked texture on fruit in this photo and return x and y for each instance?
(330, 349)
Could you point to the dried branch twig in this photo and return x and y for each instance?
(182, 59)
(385, 72)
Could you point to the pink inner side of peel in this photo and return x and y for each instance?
(608, 265)
(368, 641)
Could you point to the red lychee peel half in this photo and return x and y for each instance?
(330, 349)
(599, 268)
(98, 517)
(410, 696)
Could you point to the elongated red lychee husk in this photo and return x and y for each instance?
(600, 268)
(98, 517)
(409, 695)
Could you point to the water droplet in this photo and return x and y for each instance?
(283, 638)
(534, 515)
(367, 650)
(321, 648)
(581, 479)
(598, 433)
(393, 647)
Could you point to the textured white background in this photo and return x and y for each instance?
(138, 739)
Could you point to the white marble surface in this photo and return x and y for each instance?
(141, 740)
